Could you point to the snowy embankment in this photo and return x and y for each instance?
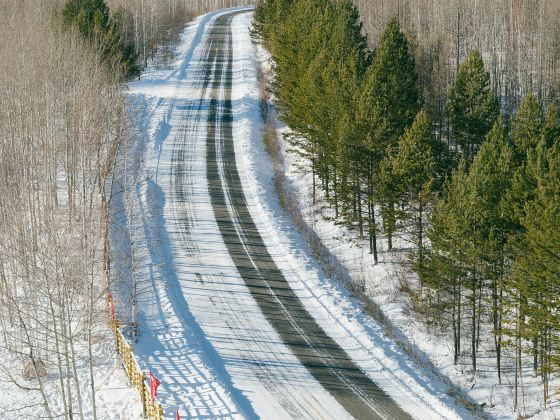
(384, 283)
(327, 300)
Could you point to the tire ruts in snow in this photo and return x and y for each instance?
(327, 362)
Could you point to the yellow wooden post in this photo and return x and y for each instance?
(129, 358)
(124, 358)
(142, 390)
(150, 409)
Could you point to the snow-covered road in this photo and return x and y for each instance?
(236, 318)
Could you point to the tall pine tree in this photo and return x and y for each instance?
(527, 126)
(534, 281)
(445, 268)
(490, 178)
(471, 106)
(386, 107)
(414, 168)
(93, 20)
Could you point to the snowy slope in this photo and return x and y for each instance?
(384, 283)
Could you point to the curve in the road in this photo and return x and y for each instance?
(327, 362)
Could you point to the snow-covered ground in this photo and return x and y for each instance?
(115, 398)
(384, 283)
(201, 331)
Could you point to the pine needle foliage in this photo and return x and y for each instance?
(92, 18)
(480, 202)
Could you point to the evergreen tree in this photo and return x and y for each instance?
(471, 106)
(527, 304)
(527, 126)
(531, 135)
(490, 177)
(269, 15)
(350, 154)
(343, 72)
(453, 267)
(551, 130)
(414, 168)
(89, 16)
(93, 20)
(320, 55)
(534, 281)
(296, 47)
(386, 107)
(469, 232)
(445, 268)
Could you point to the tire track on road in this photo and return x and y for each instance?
(185, 216)
(327, 362)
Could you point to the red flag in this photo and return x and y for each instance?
(154, 383)
(177, 415)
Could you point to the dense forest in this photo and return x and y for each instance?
(519, 41)
(441, 128)
(64, 122)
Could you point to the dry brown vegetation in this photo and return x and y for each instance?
(156, 22)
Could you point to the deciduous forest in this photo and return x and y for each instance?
(64, 119)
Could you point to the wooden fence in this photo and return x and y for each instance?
(151, 409)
